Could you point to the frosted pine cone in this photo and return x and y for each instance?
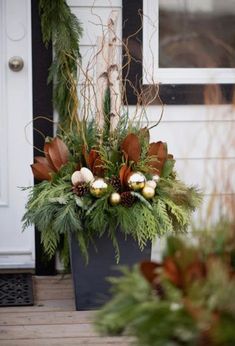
(127, 199)
(116, 183)
(80, 189)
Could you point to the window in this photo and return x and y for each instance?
(191, 41)
(187, 46)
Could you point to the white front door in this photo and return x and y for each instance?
(16, 149)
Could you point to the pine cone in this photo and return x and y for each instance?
(115, 183)
(80, 189)
(127, 199)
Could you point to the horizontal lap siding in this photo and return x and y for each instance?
(200, 137)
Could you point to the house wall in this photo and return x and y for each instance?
(200, 137)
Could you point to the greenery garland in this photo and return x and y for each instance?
(61, 27)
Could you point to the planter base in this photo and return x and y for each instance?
(90, 285)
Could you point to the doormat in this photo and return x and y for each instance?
(16, 290)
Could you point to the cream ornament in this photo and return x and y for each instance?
(151, 183)
(155, 177)
(98, 187)
(148, 192)
(115, 198)
(87, 175)
(136, 181)
(76, 178)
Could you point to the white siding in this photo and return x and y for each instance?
(200, 137)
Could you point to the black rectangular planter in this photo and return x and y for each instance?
(90, 285)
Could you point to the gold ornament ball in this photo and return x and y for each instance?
(114, 198)
(148, 192)
(98, 187)
(136, 181)
(155, 178)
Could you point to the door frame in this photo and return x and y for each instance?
(42, 106)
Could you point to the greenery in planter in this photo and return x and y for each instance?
(94, 189)
(186, 300)
(100, 173)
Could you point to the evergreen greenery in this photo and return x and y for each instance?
(56, 210)
(63, 29)
(187, 300)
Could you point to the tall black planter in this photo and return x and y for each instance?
(90, 285)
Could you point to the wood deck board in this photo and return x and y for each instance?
(68, 342)
(52, 320)
(40, 318)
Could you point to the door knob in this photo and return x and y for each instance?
(16, 63)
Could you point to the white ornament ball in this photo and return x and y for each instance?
(155, 177)
(76, 178)
(114, 198)
(151, 183)
(87, 175)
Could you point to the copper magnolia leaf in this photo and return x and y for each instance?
(158, 154)
(40, 171)
(86, 156)
(63, 150)
(148, 269)
(43, 161)
(46, 152)
(58, 153)
(195, 271)
(124, 174)
(172, 272)
(98, 167)
(131, 147)
(92, 157)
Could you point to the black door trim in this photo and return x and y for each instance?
(42, 106)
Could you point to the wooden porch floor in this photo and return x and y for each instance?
(52, 321)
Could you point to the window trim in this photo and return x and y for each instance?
(170, 93)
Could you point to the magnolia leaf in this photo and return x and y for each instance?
(43, 160)
(62, 150)
(195, 271)
(158, 155)
(86, 156)
(93, 155)
(149, 270)
(98, 167)
(58, 153)
(172, 271)
(48, 158)
(124, 173)
(131, 147)
(40, 171)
